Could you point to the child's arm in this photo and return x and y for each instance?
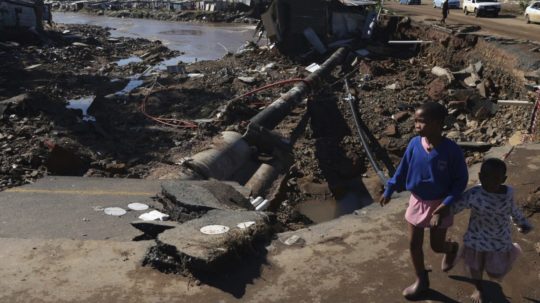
(398, 181)
(460, 174)
(519, 219)
(454, 208)
(463, 203)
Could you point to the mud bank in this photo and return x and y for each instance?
(195, 41)
(167, 15)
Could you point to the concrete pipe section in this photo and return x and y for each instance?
(228, 153)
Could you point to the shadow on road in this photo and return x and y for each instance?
(432, 295)
(493, 291)
(236, 275)
(507, 16)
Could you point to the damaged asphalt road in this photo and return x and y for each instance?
(145, 123)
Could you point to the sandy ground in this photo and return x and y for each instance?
(356, 258)
(505, 25)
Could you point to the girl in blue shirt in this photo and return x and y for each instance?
(433, 169)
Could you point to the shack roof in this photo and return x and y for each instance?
(357, 2)
(20, 2)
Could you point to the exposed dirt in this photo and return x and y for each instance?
(39, 130)
(388, 89)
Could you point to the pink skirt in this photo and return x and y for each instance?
(495, 263)
(420, 211)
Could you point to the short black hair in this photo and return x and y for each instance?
(434, 111)
(494, 164)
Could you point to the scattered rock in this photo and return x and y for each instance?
(392, 86)
(443, 72)
(436, 89)
(390, 131)
(249, 80)
(401, 116)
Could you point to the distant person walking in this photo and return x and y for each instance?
(445, 11)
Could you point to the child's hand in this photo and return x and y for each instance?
(383, 200)
(435, 220)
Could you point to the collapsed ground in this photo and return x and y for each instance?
(40, 136)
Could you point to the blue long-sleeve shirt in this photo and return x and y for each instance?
(439, 174)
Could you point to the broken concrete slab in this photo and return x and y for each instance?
(472, 68)
(195, 251)
(204, 195)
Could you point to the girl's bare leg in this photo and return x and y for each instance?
(477, 295)
(439, 244)
(416, 241)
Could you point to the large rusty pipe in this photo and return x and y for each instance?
(271, 116)
(231, 151)
(262, 179)
(228, 153)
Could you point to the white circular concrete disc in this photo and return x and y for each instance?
(137, 206)
(114, 211)
(245, 225)
(214, 229)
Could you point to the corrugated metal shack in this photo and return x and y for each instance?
(296, 25)
(23, 14)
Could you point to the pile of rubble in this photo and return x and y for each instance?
(37, 81)
(185, 16)
(143, 121)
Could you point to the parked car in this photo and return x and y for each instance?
(409, 2)
(532, 12)
(451, 3)
(482, 7)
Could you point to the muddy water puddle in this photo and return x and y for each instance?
(83, 104)
(352, 196)
(127, 61)
(197, 41)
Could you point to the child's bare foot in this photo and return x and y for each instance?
(476, 296)
(418, 287)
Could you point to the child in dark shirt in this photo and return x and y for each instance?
(433, 169)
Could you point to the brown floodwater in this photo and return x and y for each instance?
(351, 196)
(203, 41)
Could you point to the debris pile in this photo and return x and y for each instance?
(149, 119)
(167, 11)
